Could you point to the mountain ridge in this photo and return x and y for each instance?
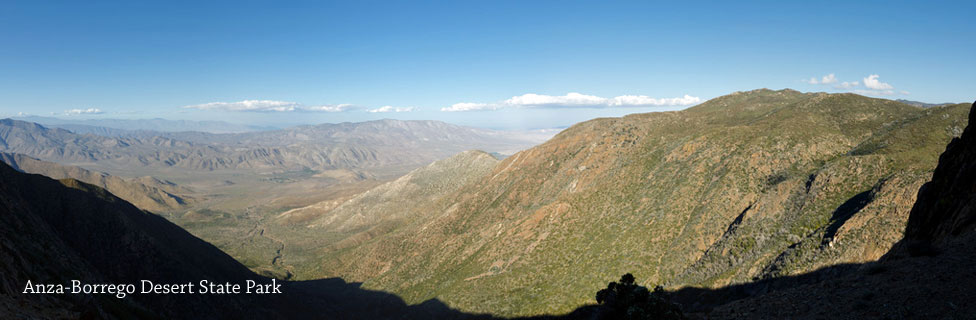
(123, 126)
(145, 192)
(755, 184)
(386, 144)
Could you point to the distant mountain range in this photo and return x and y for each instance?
(922, 104)
(385, 145)
(748, 186)
(112, 127)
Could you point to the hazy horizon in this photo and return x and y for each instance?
(100, 119)
(495, 65)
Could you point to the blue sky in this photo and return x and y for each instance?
(515, 62)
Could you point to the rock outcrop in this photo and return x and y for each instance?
(946, 205)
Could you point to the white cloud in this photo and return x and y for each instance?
(330, 108)
(573, 99)
(247, 105)
(390, 109)
(828, 79)
(875, 92)
(847, 85)
(872, 83)
(269, 106)
(648, 101)
(471, 106)
(74, 112)
(570, 99)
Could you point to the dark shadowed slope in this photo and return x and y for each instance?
(55, 231)
(946, 205)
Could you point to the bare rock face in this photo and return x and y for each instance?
(946, 205)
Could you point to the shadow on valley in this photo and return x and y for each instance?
(56, 231)
(846, 211)
(904, 284)
(936, 281)
(334, 298)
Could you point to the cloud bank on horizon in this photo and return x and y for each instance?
(269, 106)
(384, 109)
(74, 112)
(573, 100)
(529, 100)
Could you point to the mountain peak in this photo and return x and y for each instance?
(21, 124)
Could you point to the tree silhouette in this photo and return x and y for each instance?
(627, 300)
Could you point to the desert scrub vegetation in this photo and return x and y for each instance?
(741, 187)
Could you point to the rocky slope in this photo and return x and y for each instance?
(748, 186)
(318, 235)
(927, 275)
(147, 193)
(386, 202)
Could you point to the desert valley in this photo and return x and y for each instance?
(487, 160)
